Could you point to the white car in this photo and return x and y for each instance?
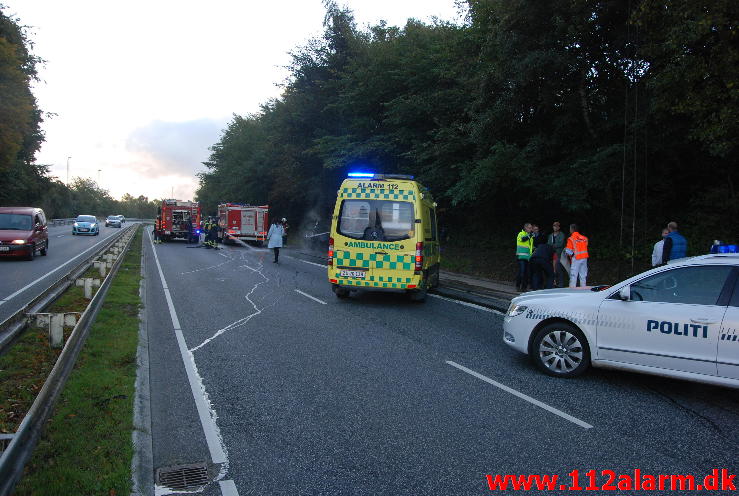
(679, 320)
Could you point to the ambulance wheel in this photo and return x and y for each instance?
(419, 295)
(560, 350)
(341, 293)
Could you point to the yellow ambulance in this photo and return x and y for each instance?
(383, 236)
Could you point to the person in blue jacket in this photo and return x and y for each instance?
(676, 246)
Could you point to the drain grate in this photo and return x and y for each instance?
(183, 476)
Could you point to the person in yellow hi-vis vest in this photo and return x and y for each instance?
(577, 249)
(524, 248)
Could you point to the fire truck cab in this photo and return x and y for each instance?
(180, 220)
(246, 223)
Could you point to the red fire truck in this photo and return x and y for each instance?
(176, 215)
(243, 222)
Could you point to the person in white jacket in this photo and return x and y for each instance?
(274, 239)
(657, 251)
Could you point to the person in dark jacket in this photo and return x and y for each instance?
(542, 270)
(676, 246)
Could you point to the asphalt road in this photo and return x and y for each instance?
(260, 368)
(22, 280)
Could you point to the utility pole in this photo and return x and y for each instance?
(99, 176)
(68, 171)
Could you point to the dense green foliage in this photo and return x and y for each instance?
(22, 181)
(618, 115)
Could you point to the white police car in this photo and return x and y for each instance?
(680, 320)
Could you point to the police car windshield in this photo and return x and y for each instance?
(377, 220)
(15, 222)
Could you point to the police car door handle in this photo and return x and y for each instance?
(702, 320)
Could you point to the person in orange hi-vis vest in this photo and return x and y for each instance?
(577, 249)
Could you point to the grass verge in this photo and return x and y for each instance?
(86, 447)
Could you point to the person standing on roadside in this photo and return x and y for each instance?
(557, 241)
(675, 246)
(285, 227)
(524, 248)
(274, 239)
(158, 230)
(577, 249)
(658, 247)
(542, 271)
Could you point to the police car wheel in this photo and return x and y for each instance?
(561, 350)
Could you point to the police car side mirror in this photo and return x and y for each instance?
(624, 294)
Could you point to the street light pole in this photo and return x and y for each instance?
(99, 176)
(68, 171)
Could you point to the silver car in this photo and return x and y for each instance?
(113, 221)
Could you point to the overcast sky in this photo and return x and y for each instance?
(141, 89)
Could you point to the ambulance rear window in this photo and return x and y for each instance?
(377, 220)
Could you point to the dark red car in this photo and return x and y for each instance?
(23, 232)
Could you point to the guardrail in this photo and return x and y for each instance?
(23, 442)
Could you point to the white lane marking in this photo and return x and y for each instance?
(311, 297)
(471, 305)
(205, 409)
(228, 488)
(523, 396)
(60, 236)
(11, 296)
(313, 263)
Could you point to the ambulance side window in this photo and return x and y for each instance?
(432, 218)
(689, 285)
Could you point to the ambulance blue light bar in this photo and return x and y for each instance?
(378, 177)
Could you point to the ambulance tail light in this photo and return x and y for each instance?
(330, 252)
(419, 256)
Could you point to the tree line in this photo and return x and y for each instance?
(22, 180)
(620, 116)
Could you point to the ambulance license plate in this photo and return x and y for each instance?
(4, 248)
(357, 274)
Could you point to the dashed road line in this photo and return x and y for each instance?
(467, 304)
(313, 263)
(311, 297)
(521, 395)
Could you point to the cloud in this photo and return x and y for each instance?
(173, 148)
